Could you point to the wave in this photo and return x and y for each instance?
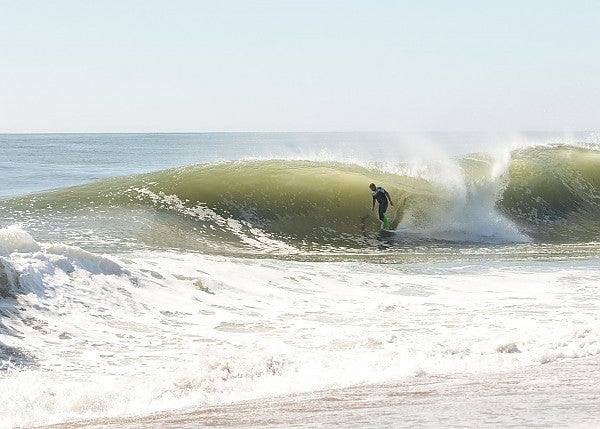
(554, 192)
(543, 193)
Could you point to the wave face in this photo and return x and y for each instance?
(540, 193)
(554, 192)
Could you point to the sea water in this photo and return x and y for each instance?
(181, 280)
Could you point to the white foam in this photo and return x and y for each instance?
(469, 212)
(195, 329)
(244, 231)
(14, 239)
(95, 264)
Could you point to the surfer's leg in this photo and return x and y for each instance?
(382, 209)
(386, 222)
(382, 216)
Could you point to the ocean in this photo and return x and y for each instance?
(243, 280)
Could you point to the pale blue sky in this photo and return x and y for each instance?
(300, 65)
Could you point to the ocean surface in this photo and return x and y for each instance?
(242, 280)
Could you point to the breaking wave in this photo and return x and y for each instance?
(543, 193)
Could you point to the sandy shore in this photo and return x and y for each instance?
(565, 393)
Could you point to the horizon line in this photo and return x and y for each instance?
(299, 132)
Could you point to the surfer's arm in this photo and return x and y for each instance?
(373, 208)
(388, 197)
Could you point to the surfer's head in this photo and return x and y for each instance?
(372, 186)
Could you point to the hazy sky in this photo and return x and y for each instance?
(299, 65)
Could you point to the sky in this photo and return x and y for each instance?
(303, 65)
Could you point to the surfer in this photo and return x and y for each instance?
(382, 196)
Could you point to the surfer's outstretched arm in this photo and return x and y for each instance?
(388, 197)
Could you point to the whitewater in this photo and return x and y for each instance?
(242, 279)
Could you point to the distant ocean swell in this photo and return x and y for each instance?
(543, 193)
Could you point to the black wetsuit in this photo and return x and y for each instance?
(379, 195)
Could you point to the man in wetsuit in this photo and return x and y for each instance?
(382, 196)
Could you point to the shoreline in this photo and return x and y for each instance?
(561, 393)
